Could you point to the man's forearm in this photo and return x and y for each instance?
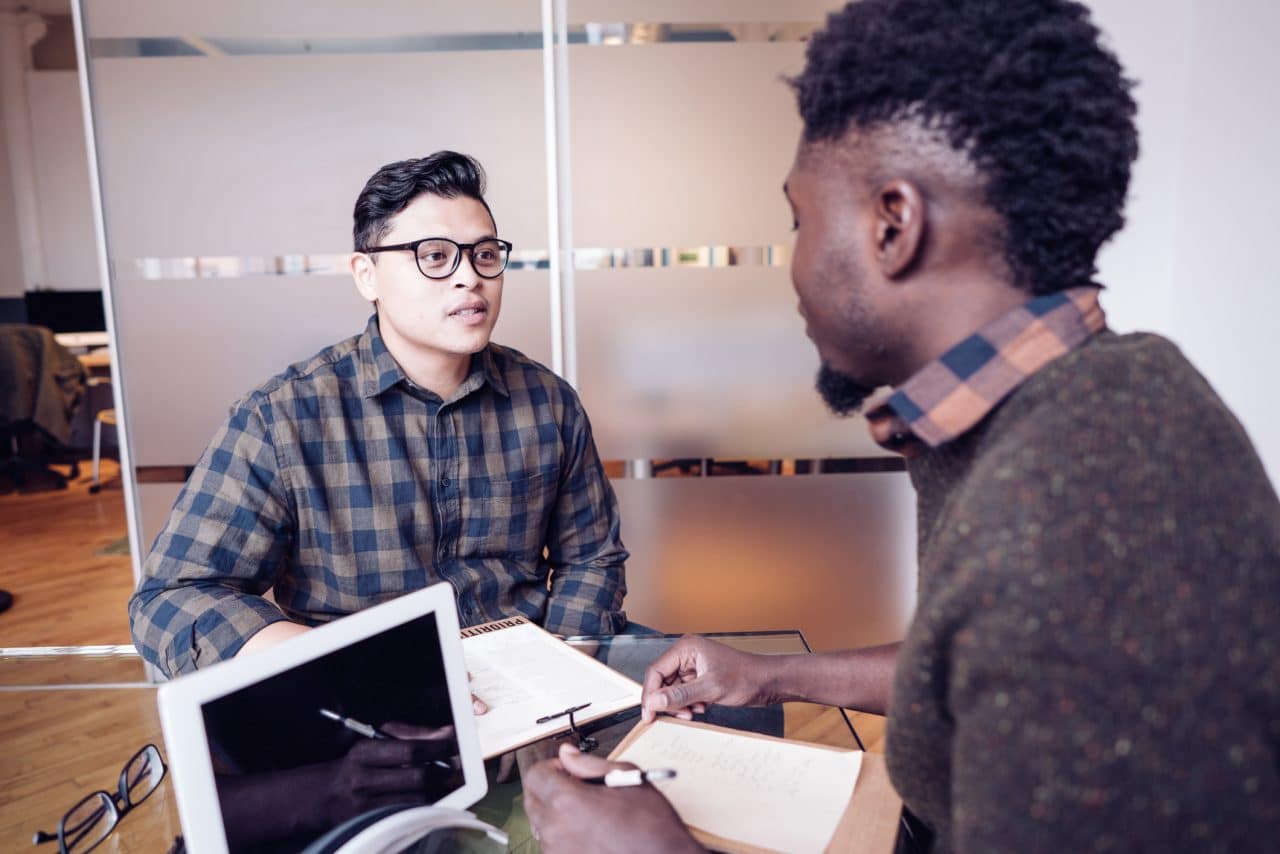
(182, 626)
(860, 679)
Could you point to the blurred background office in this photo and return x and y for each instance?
(636, 152)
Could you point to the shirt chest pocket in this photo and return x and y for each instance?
(506, 517)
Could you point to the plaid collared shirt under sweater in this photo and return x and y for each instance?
(951, 394)
(339, 484)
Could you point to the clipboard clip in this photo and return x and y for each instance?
(585, 742)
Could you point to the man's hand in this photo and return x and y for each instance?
(418, 765)
(377, 772)
(569, 815)
(696, 672)
(477, 705)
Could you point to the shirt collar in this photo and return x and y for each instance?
(948, 396)
(380, 371)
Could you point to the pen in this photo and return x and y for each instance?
(354, 725)
(620, 778)
(370, 731)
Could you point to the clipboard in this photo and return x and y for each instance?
(536, 685)
(867, 825)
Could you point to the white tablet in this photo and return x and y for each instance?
(270, 751)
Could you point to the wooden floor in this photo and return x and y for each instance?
(60, 744)
(65, 592)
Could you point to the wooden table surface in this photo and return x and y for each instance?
(60, 744)
(64, 739)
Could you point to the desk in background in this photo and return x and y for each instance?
(97, 361)
(75, 341)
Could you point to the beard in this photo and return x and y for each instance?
(843, 394)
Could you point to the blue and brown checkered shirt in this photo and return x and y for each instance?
(951, 394)
(339, 484)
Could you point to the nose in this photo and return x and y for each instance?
(466, 276)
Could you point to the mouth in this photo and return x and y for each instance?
(471, 312)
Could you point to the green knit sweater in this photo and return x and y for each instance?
(1094, 663)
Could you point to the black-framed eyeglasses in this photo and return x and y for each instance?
(88, 822)
(439, 257)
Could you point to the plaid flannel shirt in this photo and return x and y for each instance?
(951, 394)
(339, 484)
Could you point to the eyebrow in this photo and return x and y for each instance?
(484, 236)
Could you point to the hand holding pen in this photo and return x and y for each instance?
(620, 778)
(624, 813)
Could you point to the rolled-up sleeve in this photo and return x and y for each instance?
(223, 546)
(584, 542)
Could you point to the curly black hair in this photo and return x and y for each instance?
(1023, 87)
(391, 189)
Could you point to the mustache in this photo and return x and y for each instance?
(842, 393)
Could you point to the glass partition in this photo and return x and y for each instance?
(638, 170)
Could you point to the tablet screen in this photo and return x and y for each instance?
(361, 728)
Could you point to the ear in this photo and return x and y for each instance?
(900, 221)
(365, 274)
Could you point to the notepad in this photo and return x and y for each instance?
(743, 792)
(524, 673)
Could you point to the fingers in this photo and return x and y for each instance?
(372, 781)
(394, 753)
(681, 699)
(477, 705)
(584, 765)
(677, 662)
(539, 784)
(411, 732)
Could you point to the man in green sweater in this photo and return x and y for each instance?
(1094, 664)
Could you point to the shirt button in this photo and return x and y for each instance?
(444, 482)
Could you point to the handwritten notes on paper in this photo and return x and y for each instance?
(760, 791)
(524, 673)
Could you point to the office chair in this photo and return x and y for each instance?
(41, 385)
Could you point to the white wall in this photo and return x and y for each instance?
(1136, 266)
(11, 282)
(62, 181)
(1224, 286)
(1193, 261)
(65, 213)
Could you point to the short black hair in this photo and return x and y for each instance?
(1024, 87)
(391, 189)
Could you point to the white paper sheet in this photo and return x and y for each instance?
(782, 795)
(523, 673)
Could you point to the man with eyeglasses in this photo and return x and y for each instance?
(414, 453)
